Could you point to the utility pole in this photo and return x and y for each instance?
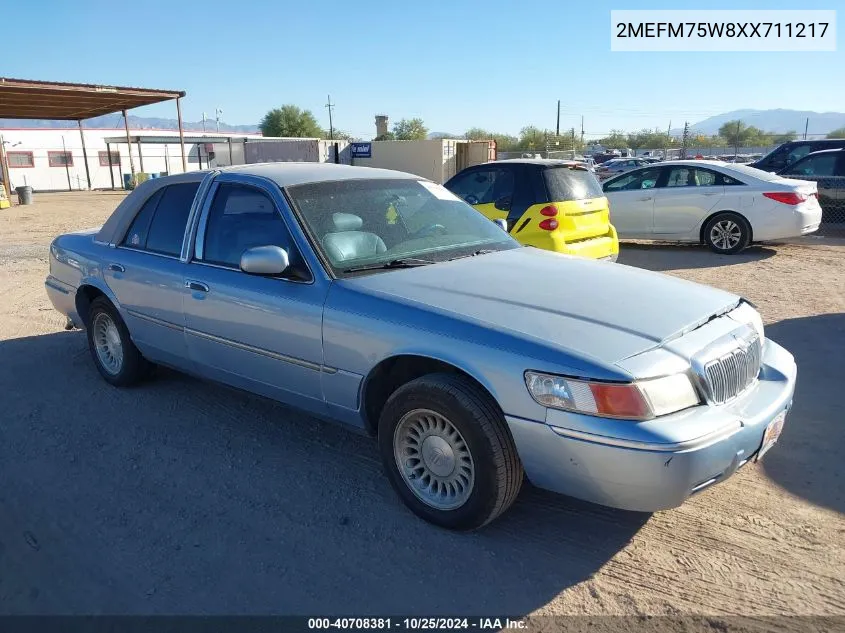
(573, 139)
(582, 129)
(806, 126)
(736, 139)
(67, 166)
(557, 127)
(330, 105)
(217, 113)
(685, 140)
(203, 121)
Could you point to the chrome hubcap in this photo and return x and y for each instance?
(433, 459)
(107, 343)
(725, 234)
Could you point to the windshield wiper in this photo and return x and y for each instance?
(405, 262)
(482, 251)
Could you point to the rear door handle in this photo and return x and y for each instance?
(645, 199)
(196, 285)
(711, 193)
(117, 268)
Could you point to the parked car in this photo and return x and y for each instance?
(784, 155)
(618, 166)
(827, 169)
(651, 159)
(557, 205)
(436, 333)
(723, 205)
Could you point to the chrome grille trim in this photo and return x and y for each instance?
(730, 366)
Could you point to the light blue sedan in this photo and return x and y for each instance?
(379, 300)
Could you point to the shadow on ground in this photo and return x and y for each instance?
(808, 462)
(183, 497)
(661, 257)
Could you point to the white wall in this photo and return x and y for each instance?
(423, 158)
(42, 177)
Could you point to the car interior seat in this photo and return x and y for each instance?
(347, 241)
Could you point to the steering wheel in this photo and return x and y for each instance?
(431, 229)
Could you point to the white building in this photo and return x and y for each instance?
(51, 159)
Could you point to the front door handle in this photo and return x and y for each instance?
(118, 268)
(646, 199)
(196, 285)
(711, 193)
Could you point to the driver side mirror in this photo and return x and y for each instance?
(502, 224)
(503, 203)
(265, 260)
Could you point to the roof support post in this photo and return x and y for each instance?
(181, 134)
(84, 154)
(111, 167)
(129, 145)
(140, 155)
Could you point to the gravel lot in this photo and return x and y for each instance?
(184, 497)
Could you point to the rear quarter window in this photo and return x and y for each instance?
(167, 228)
(564, 183)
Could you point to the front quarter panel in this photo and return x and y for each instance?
(361, 330)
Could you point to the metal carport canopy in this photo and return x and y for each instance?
(59, 101)
(28, 99)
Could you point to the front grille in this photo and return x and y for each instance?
(729, 375)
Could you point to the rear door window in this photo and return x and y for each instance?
(136, 236)
(167, 228)
(821, 165)
(565, 183)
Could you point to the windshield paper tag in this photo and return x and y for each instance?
(438, 191)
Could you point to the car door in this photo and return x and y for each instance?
(260, 333)
(631, 199)
(686, 195)
(146, 274)
(489, 189)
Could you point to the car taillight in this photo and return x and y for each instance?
(549, 211)
(786, 197)
(548, 224)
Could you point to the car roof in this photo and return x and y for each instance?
(537, 161)
(289, 174)
(832, 150)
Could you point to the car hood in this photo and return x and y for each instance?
(598, 310)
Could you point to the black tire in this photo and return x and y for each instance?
(134, 367)
(727, 219)
(498, 470)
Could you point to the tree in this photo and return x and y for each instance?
(289, 120)
(837, 133)
(410, 130)
(738, 134)
(390, 136)
(616, 139)
(477, 134)
(339, 135)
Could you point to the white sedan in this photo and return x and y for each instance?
(724, 205)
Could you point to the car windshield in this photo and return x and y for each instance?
(372, 222)
(571, 183)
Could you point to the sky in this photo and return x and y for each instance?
(495, 64)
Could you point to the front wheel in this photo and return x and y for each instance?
(448, 452)
(727, 233)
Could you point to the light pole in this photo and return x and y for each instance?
(217, 113)
(330, 105)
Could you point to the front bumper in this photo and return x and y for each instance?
(650, 473)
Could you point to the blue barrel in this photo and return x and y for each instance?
(127, 181)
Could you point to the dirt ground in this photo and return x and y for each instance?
(183, 497)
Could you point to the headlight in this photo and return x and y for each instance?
(640, 400)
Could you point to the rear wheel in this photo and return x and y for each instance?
(115, 355)
(448, 453)
(727, 233)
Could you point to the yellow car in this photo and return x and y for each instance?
(557, 205)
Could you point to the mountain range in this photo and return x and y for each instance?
(778, 121)
(110, 121)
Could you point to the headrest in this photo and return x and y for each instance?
(346, 222)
